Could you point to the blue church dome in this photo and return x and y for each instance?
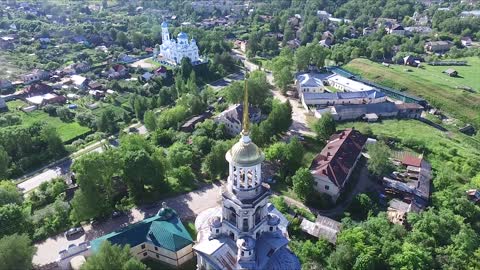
(164, 24)
(183, 35)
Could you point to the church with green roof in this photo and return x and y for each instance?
(161, 237)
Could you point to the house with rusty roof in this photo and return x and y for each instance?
(161, 237)
(332, 167)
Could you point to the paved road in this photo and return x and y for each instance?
(298, 112)
(62, 167)
(187, 205)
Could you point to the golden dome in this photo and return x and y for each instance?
(245, 153)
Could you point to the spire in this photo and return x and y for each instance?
(246, 118)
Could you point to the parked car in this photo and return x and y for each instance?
(74, 231)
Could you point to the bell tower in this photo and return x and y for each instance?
(165, 33)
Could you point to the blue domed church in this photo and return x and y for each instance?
(173, 51)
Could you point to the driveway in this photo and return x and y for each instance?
(299, 123)
(188, 206)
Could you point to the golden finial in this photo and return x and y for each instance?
(246, 118)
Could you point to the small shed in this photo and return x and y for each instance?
(451, 72)
(371, 117)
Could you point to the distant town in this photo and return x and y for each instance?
(235, 134)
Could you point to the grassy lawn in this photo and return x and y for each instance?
(430, 83)
(439, 148)
(190, 226)
(67, 131)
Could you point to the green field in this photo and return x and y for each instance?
(430, 83)
(67, 131)
(440, 148)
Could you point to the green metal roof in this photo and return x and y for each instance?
(169, 234)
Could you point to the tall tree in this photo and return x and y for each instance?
(113, 257)
(324, 127)
(150, 121)
(13, 220)
(379, 162)
(4, 163)
(9, 193)
(214, 163)
(16, 252)
(95, 174)
(302, 183)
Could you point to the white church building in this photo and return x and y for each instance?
(173, 51)
(245, 231)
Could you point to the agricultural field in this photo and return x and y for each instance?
(430, 83)
(67, 131)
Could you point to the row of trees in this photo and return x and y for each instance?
(25, 147)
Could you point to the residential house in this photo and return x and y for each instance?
(466, 41)
(147, 76)
(319, 100)
(422, 30)
(473, 195)
(44, 99)
(294, 43)
(471, 13)
(438, 46)
(368, 31)
(79, 81)
(161, 71)
(95, 85)
(125, 58)
(117, 71)
(241, 44)
(420, 19)
(396, 29)
(310, 82)
(189, 125)
(34, 76)
(162, 237)
(398, 210)
(323, 227)
(37, 89)
(7, 43)
(323, 15)
(331, 169)
(451, 72)
(328, 35)
(409, 110)
(411, 60)
(81, 67)
(232, 118)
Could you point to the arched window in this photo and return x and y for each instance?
(232, 216)
(258, 215)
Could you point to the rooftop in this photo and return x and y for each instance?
(311, 79)
(163, 230)
(346, 82)
(369, 94)
(338, 156)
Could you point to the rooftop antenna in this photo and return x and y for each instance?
(246, 118)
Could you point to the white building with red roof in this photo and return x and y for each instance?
(332, 168)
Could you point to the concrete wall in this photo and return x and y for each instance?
(161, 254)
